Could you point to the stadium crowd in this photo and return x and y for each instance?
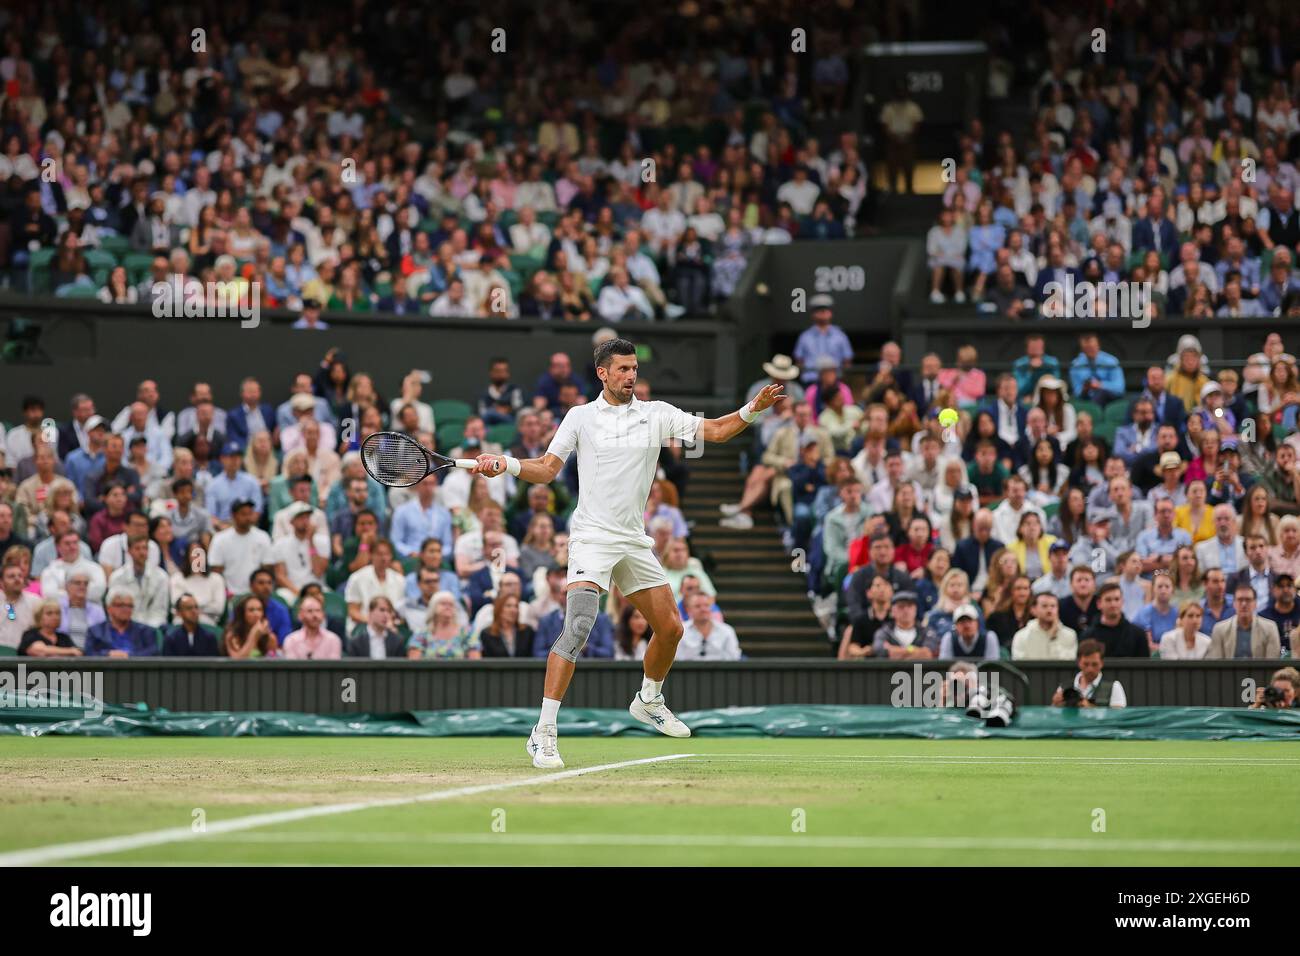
(1164, 523)
(1169, 161)
(254, 531)
(271, 163)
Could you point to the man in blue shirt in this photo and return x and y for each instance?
(1139, 436)
(1096, 375)
(421, 518)
(821, 339)
(233, 484)
(1160, 616)
(119, 636)
(81, 462)
(1157, 545)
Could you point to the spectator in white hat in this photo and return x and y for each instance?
(968, 637)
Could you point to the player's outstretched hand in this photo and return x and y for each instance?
(489, 466)
(768, 397)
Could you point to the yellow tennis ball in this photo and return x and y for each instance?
(948, 417)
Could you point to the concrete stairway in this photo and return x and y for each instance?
(763, 597)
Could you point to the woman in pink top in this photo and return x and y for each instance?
(1284, 557)
(312, 642)
(966, 382)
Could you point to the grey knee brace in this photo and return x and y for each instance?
(581, 606)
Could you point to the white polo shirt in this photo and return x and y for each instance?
(720, 645)
(618, 452)
(296, 554)
(363, 585)
(239, 555)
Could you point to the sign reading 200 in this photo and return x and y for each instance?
(840, 278)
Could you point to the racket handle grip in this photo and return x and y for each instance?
(466, 462)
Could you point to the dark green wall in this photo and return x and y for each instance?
(105, 351)
(388, 686)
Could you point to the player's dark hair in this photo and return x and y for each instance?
(606, 351)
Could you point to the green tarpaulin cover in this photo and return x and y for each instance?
(31, 718)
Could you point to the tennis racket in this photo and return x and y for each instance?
(399, 461)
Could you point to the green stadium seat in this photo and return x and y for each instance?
(1116, 412)
(410, 564)
(117, 246)
(1092, 408)
(138, 266)
(448, 410)
(336, 606)
(515, 281)
(6, 651)
(449, 435)
(100, 259)
(548, 218)
(503, 434)
(1106, 431)
(38, 270)
(524, 264)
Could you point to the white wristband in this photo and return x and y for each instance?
(747, 413)
(512, 465)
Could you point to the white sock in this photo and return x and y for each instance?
(550, 712)
(650, 689)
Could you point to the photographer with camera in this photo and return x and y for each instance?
(983, 699)
(1281, 691)
(1091, 688)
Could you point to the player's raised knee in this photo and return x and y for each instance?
(581, 607)
(673, 632)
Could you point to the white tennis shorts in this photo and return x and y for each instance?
(630, 567)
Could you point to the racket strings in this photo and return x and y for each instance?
(394, 459)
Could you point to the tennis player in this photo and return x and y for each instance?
(617, 438)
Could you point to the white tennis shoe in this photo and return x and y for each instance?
(542, 746)
(657, 715)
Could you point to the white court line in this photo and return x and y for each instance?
(37, 856)
(793, 842)
(990, 759)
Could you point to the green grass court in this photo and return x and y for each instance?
(734, 801)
